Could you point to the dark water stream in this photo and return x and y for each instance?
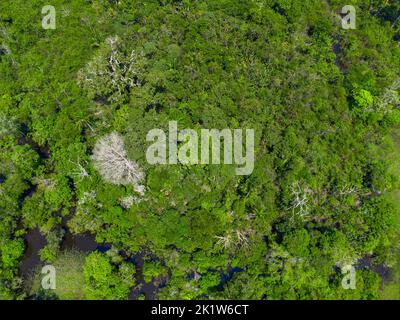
(43, 152)
(35, 241)
(82, 242)
(86, 243)
(147, 288)
(384, 272)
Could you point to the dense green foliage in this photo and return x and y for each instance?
(324, 104)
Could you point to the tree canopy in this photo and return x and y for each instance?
(76, 104)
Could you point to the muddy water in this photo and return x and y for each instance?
(147, 288)
(43, 152)
(384, 272)
(82, 242)
(34, 241)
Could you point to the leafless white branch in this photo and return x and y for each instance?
(111, 161)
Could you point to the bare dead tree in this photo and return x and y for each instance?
(111, 161)
(8, 125)
(224, 241)
(112, 72)
(243, 237)
(300, 200)
(87, 197)
(127, 202)
(235, 239)
(390, 98)
(80, 172)
(347, 189)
